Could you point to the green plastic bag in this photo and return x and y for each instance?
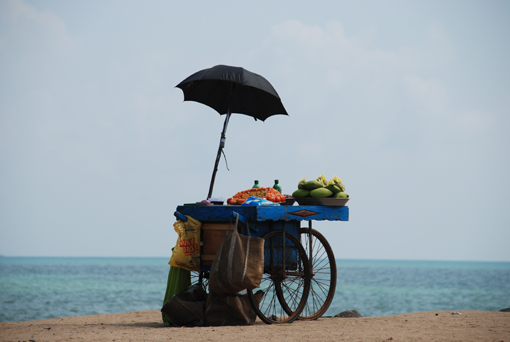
(179, 279)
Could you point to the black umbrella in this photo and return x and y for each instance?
(230, 90)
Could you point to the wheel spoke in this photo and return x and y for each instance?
(323, 268)
(286, 281)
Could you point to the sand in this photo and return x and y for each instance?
(147, 326)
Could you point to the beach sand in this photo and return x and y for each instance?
(147, 326)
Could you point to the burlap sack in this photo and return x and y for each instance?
(187, 308)
(233, 309)
(238, 264)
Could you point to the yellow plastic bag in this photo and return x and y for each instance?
(186, 253)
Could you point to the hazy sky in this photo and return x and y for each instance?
(408, 102)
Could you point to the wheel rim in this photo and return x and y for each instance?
(285, 290)
(323, 274)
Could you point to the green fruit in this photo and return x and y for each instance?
(300, 193)
(301, 183)
(338, 182)
(322, 179)
(313, 184)
(321, 193)
(334, 189)
(341, 195)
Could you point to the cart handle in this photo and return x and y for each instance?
(180, 216)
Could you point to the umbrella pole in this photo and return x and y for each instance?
(220, 148)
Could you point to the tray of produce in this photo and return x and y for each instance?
(269, 194)
(321, 192)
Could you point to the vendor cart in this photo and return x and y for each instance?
(299, 278)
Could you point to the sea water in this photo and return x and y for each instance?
(37, 288)
(378, 288)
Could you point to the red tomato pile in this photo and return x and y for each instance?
(269, 194)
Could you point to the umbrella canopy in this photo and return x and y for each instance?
(233, 89)
(228, 90)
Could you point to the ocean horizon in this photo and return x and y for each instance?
(33, 288)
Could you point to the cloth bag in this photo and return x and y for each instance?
(231, 309)
(238, 264)
(187, 308)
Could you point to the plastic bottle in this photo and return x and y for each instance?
(256, 185)
(277, 185)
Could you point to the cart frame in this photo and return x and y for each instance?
(302, 290)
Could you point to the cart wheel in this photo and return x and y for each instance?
(285, 289)
(201, 278)
(323, 273)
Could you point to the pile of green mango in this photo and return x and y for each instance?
(321, 188)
